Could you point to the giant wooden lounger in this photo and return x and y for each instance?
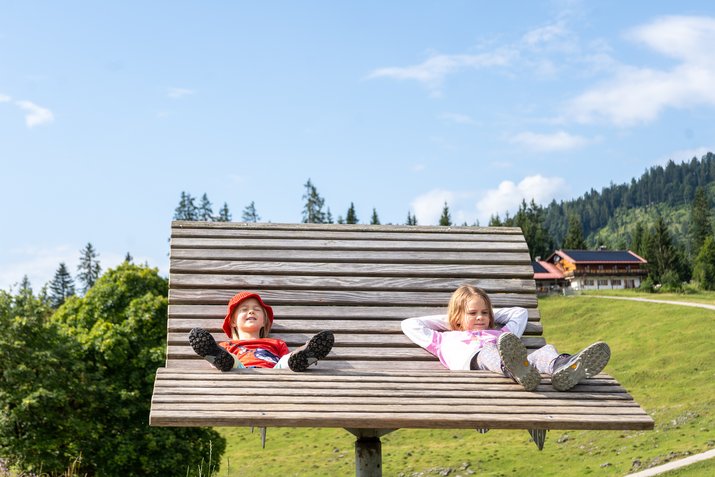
(360, 282)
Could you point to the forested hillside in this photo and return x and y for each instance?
(667, 191)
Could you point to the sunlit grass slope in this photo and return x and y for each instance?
(663, 354)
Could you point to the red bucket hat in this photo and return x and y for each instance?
(235, 301)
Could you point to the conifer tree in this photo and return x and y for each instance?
(88, 268)
(61, 286)
(700, 219)
(495, 221)
(374, 220)
(445, 219)
(224, 215)
(574, 236)
(205, 211)
(313, 208)
(250, 214)
(186, 209)
(128, 258)
(411, 219)
(704, 269)
(351, 217)
(328, 217)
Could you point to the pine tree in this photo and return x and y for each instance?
(313, 209)
(328, 217)
(88, 268)
(250, 214)
(445, 219)
(128, 258)
(704, 270)
(574, 236)
(205, 212)
(61, 286)
(495, 221)
(186, 209)
(411, 219)
(224, 215)
(700, 219)
(663, 254)
(374, 220)
(351, 217)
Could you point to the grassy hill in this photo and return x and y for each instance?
(663, 354)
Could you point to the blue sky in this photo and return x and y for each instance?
(108, 111)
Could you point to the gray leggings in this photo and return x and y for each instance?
(488, 359)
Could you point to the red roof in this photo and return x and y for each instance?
(550, 272)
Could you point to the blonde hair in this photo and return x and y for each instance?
(458, 305)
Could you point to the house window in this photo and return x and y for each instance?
(603, 283)
(588, 283)
(616, 283)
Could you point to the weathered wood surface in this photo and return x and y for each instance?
(360, 282)
(386, 400)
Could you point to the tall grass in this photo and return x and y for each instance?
(663, 354)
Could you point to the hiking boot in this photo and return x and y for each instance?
(205, 346)
(315, 349)
(514, 363)
(569, 370)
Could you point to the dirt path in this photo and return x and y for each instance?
(649, 300)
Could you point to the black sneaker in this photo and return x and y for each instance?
(514, 363)
(205, 346)
(585, 364)
(315, 349)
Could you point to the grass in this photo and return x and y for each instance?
(662, 354)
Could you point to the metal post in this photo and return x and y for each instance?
(368, 451)
(368, 457)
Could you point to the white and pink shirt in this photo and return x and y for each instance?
(455, 349)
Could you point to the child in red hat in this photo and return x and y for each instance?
(247, 324)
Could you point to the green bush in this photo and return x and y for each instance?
(79, 382)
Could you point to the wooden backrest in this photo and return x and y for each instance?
(359, 281)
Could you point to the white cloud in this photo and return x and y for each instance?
(638, 94)
(40, 264)
(457, 118)
(428, 207)
(4, 98)
(177, 93)
(418, 168)
(35, 115)
(685, 155)
(559, 141)
(508, 196)
(432, 72)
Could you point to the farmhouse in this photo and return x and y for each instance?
(596, 269)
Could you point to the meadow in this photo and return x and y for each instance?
(662, 354)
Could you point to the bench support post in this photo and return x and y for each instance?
(368, 451)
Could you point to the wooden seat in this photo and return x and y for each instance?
(360, 282)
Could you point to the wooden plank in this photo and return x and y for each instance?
(394, 420)
(193, 228)
(330, 407)
(343, 337)
(366, 351)
(352, 256)
(321, 312)
(179, 331)
(321, 268)
(203, 279)
(293, 243)
(343, 297)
